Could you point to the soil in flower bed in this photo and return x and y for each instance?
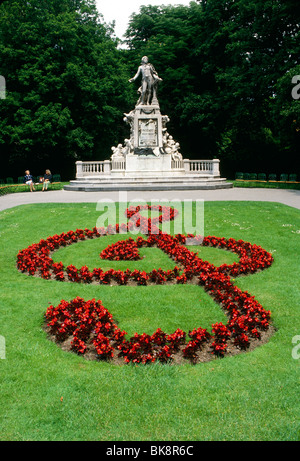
(205, 354)
(89, 329)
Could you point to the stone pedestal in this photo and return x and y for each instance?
(149, 138)
(150, 166)
(147, 130)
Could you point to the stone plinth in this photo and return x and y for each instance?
(147, 130)
(148, 173)
(150, 166)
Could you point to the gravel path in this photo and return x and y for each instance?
(286, 197)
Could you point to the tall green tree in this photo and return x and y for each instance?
(259, 42)
(65, 85)
(285, 113)
(222, 61)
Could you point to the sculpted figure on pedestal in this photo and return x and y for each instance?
(172, 147)
(117, 152)
(150, 81)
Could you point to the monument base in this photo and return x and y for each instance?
(152, 184)
(148, 173)
(149, 159)
(148, 166)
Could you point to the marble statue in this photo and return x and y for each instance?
(149, 84)
(128, 149)
(171, 147)
(117, 152)
(148, 127)
(120, 152)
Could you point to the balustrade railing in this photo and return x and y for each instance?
(92, 167)
(202, 166)
(177, 164)
(98, 168)
(118, 164)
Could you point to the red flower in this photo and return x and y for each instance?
(90, 323)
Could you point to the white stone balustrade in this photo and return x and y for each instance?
(177, 164)
(202, 166)
(106, 167)
(118, 164)
(93, 168)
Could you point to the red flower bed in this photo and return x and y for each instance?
(149, 225)
(122, 250)
(91, 325)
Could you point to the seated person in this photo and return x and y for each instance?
(47, 179)
(28, 179)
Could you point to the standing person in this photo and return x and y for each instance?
(28, 179)
(47, 179)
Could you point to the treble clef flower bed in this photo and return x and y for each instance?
(88, 328)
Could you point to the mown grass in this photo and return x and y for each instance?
(266, 184)
(51, 394)
(17, 188)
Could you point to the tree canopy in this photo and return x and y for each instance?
(65, 85)
(227, 69)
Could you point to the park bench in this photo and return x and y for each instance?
(10, 186)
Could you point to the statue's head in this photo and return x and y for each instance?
(144, 59)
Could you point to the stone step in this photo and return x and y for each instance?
(147, 179)
(162, 184)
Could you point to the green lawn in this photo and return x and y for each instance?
(51, 394)
(266, 184)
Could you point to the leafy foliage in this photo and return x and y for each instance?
(64, 84)
(227, 68)
(222, 62)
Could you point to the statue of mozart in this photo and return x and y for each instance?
(150, 79)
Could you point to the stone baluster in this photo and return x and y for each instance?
(79, 170)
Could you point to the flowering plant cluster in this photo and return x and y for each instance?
(149, 225)
(198, 337)
(149, 348)
(36, 259)
(91, 327)
(122, 250)
(87, 322)
(252, 257)
(247, 319)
